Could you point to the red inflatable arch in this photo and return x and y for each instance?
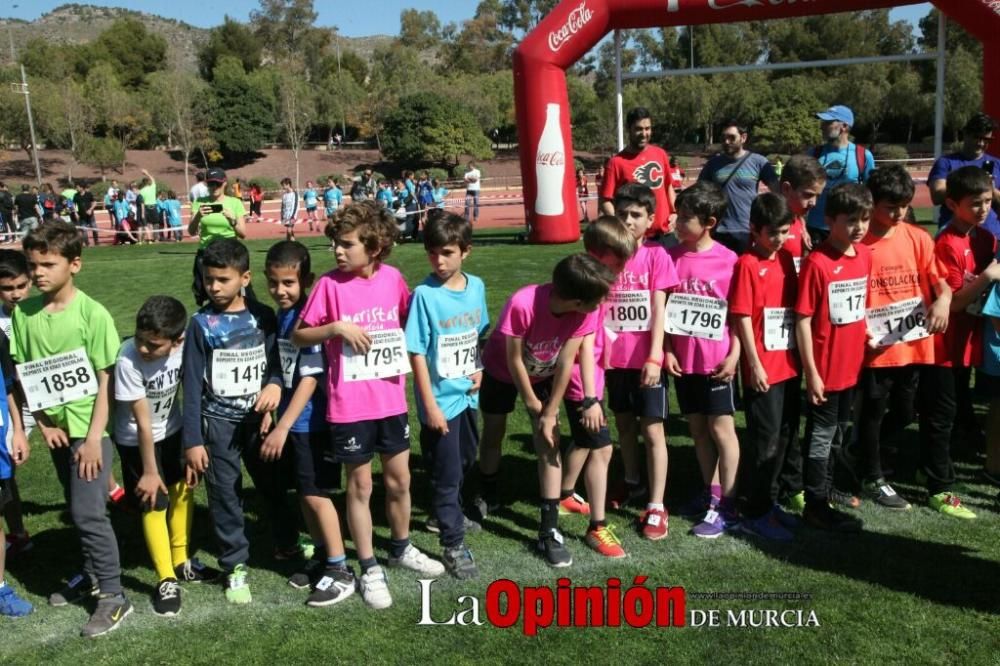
(575, 26)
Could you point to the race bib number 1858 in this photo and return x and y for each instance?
(57, 380)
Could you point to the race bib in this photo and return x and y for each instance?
(696, 316)
(779, 329)
(537, 367)
(161, 402)
(385, 358)
(898, 322)
(628, 311)
(238, 372)
(57, 380)
(289, 355)
(847, 300)
(458, 355)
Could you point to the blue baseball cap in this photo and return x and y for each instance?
(838, 112)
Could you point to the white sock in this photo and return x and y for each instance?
(651, 506)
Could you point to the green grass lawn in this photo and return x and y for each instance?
(913, 587)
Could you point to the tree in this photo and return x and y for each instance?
(481, 47)
(102, 153)
(963, 91)
(427, 127)
(285, 28)
(298, 110)
(243, 114)
(523, 15)
(65, 117)
(340, 100)
(132, 50)
(419, 30)
(233, 39)
(788, 114)
(184, 110)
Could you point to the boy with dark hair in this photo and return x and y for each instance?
(301, 424)
(447, 317)
(65, 344)
(289, 208)
(765, 287)
(231, 379)
(831, 335)
(531, 353)
(802, 182)
(148, 436)
(84, 202)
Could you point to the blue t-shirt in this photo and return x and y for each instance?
(439, 196)
(296, 364)
(309, 197)
(740, 177)
(122, 209)
(435, 312)
(7, 377)
(841, 166)
(385, 197)
(332, 198)
(948, 163)
(172, 207)
(425, 193)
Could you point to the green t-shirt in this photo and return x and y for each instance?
(148, 194)
(85, 324)
(215, 225)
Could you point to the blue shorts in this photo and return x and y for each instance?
(316, 471)
(357, 443)
(700, 394)
(498, 397)
(627, 395)
(581, 437)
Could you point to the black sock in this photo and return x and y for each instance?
(563, 494)
(550, 515)
(367, 564)
(398, 546)
(490, 491)
(594, 524)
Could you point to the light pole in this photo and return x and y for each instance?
(22, 89)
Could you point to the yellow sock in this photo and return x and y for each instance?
(180, 519)
(154, 527)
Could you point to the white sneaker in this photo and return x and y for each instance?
(375, 588)
(414, 560)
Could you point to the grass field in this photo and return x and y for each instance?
(912, 588)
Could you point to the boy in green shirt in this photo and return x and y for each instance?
(64, 343)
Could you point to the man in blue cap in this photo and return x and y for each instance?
(843, 160)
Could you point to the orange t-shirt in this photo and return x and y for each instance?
(904, 269)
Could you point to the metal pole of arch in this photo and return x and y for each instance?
(22, 88)
(939, 98)
(619, 117)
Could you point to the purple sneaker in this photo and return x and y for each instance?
(713, 525)
(767, 527)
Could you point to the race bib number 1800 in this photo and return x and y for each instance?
(57, 380)
(238, 372)
(385, 358)
(628, 311)
(696, 316)
(847, 300)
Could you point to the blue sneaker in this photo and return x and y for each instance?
(786, 519)
(697, 505)
(767, 527)
(713, 525)
(12, 605)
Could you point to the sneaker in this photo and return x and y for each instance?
(767, 527)
(459, 562)
(167, 598)
(79, 588)
(481, 508)
(950, 505)
(193, 571)
(627, 494)
(574, 504)
(283, 554)
(796, 503)
(335, 585)
(883, 494)
(237, 587)
(468, 524)
(375, 588)
(605, 542)
(697, 505)
(823, 516)
(12, 605)
(789, 521)
(19, 544)
(552, 545)
(654, 524)
(108, 615)
(415, 560)
(308, 576)
(713, 525)
(844, 499)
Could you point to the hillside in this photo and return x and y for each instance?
(80, 23)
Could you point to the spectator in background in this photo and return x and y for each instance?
(84, 203)
(440, 193)
(7, 228)
(150, 212)
(472, 188)
(49, 202)
(256, 201)
(29, 213)
(425, 196)
(200, 189)
(976, 138)
(677, 175)
(582, 193)
(370, 183)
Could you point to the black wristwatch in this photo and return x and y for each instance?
(589, 402)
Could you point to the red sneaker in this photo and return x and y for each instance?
(605, 542)
(574, 504)
(654, 524)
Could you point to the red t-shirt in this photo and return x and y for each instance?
(649, 167)
(833, 288)
(793, 244)
(961, 257)
(772, 284)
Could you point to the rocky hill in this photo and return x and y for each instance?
(80, 23)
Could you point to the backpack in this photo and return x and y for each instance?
(859, 157)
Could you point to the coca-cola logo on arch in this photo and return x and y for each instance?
(553, 158)
(577, 18)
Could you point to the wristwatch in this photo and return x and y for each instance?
(589, 402)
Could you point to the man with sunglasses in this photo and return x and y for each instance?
(976, 138)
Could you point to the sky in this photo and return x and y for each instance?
(354, 19)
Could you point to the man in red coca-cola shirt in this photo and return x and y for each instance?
(641, 162)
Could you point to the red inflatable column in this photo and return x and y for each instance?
(547, 173)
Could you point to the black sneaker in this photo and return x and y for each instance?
(306, 577)
(79, 588)
(880, 492)
(822, 516)
(167, 598)
(481, 509)
(284, 554)
(335, 585)
(193, 571)
(459, 562)
(108, 616)
(551, 544)
(468, 524)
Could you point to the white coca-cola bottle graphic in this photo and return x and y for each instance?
(550, 165)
